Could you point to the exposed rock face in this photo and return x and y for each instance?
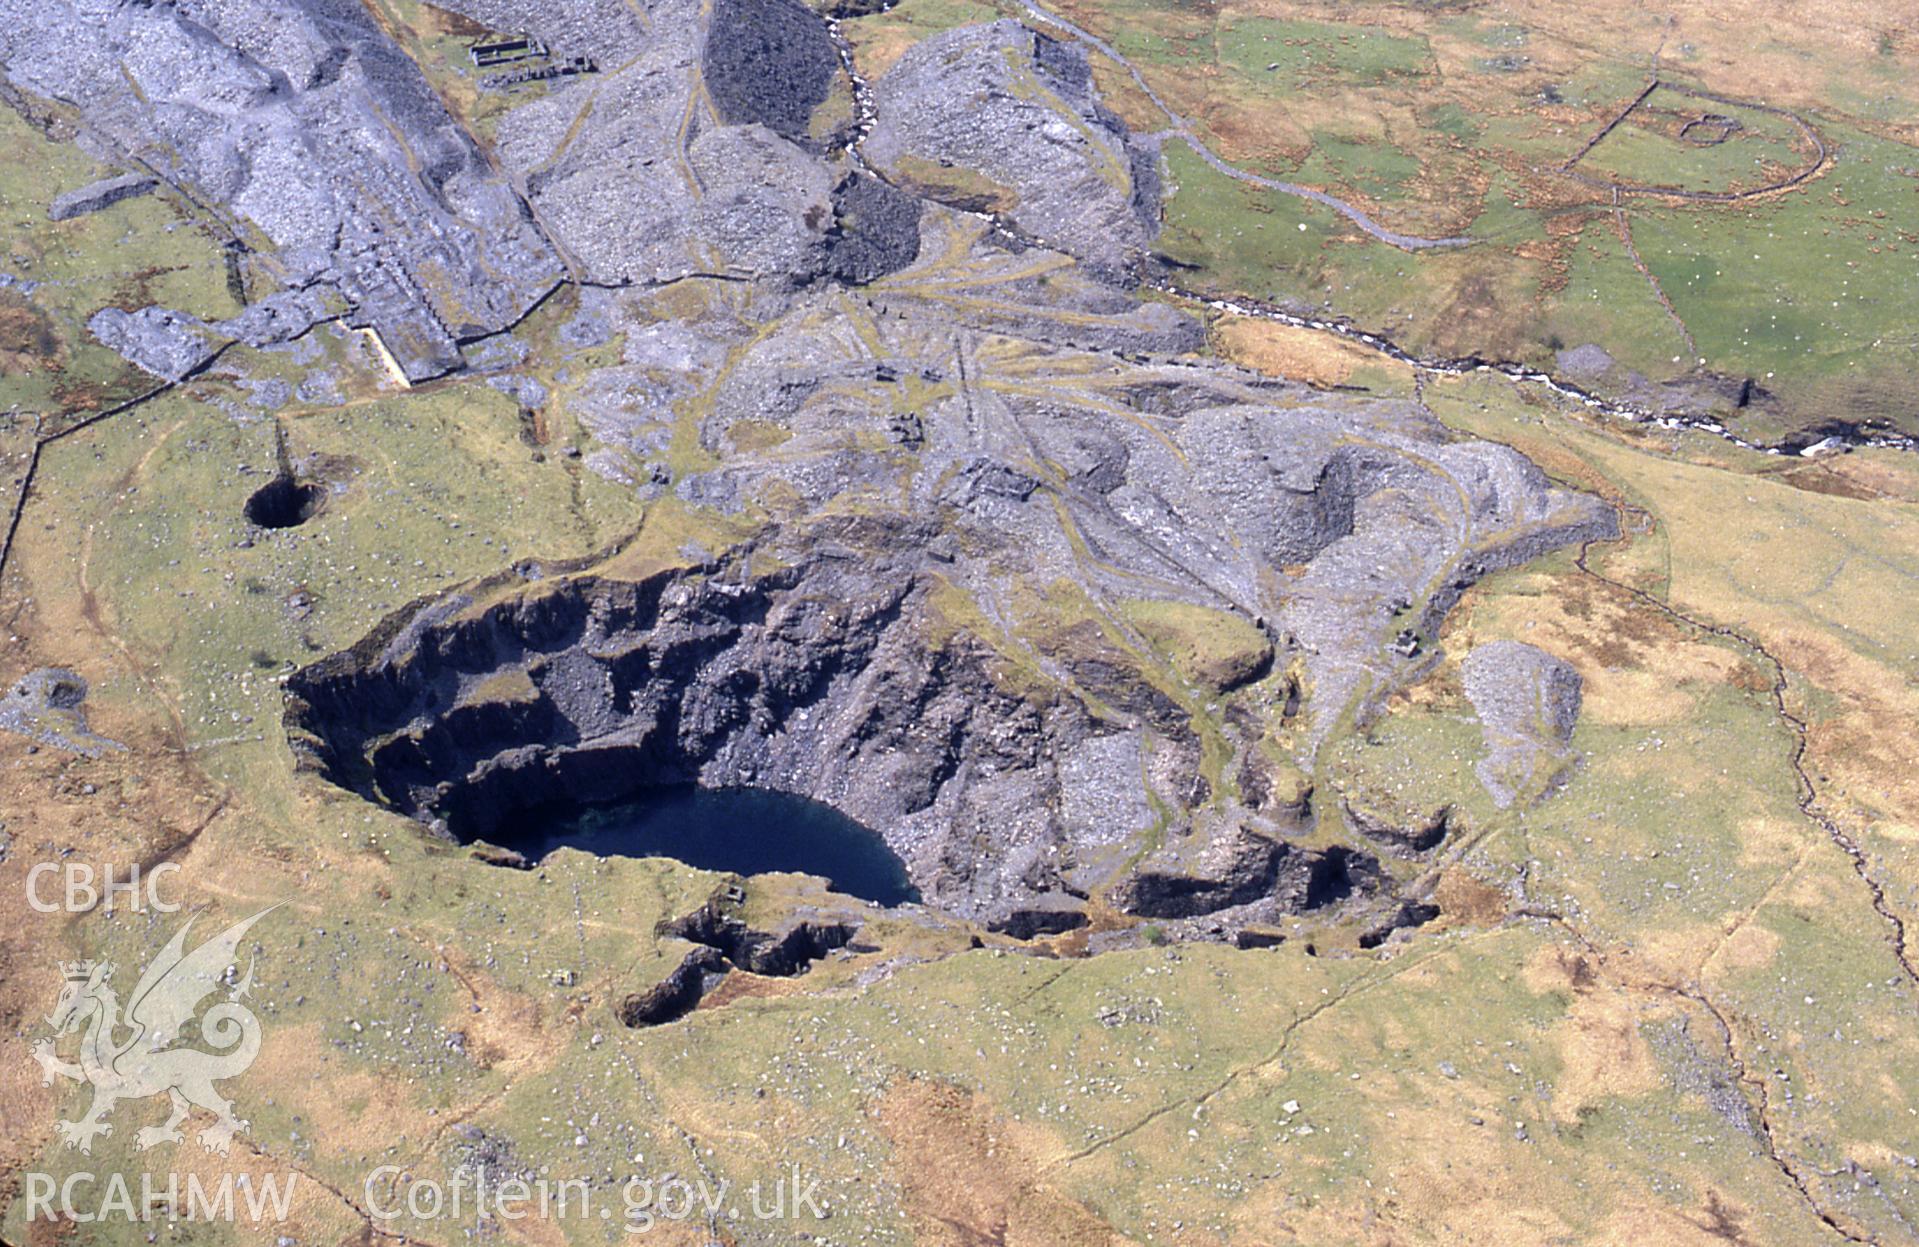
(722, 942)
(798, 941)
(1399, 833)
(1248, 868)
(812, 680)
(678, 994)
(1528, 703)
(304, 119)
(976, 551)
(1000, 118)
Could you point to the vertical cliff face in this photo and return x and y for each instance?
(813, 680)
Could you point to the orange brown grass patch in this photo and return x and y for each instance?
(969, 1177)
(1297, 354)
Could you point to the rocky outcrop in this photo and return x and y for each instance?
(170, 345)
(979, 554)
(1401, 833)
(676, 995)
(49, 706)
(1019, 765)
(811, 680)
(796, 943)
(1250, 869)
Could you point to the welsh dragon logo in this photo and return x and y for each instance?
(153, 1060)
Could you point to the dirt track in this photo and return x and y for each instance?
(1183, 129)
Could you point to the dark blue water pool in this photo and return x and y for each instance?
(743, 830)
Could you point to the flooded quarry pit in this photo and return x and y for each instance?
(745, 831)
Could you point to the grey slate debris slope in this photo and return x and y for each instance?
(1528, 704)
(999, 117)
(172, 345)
(642, 182)
(302, 119)
(768, 62)
(168, 344)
